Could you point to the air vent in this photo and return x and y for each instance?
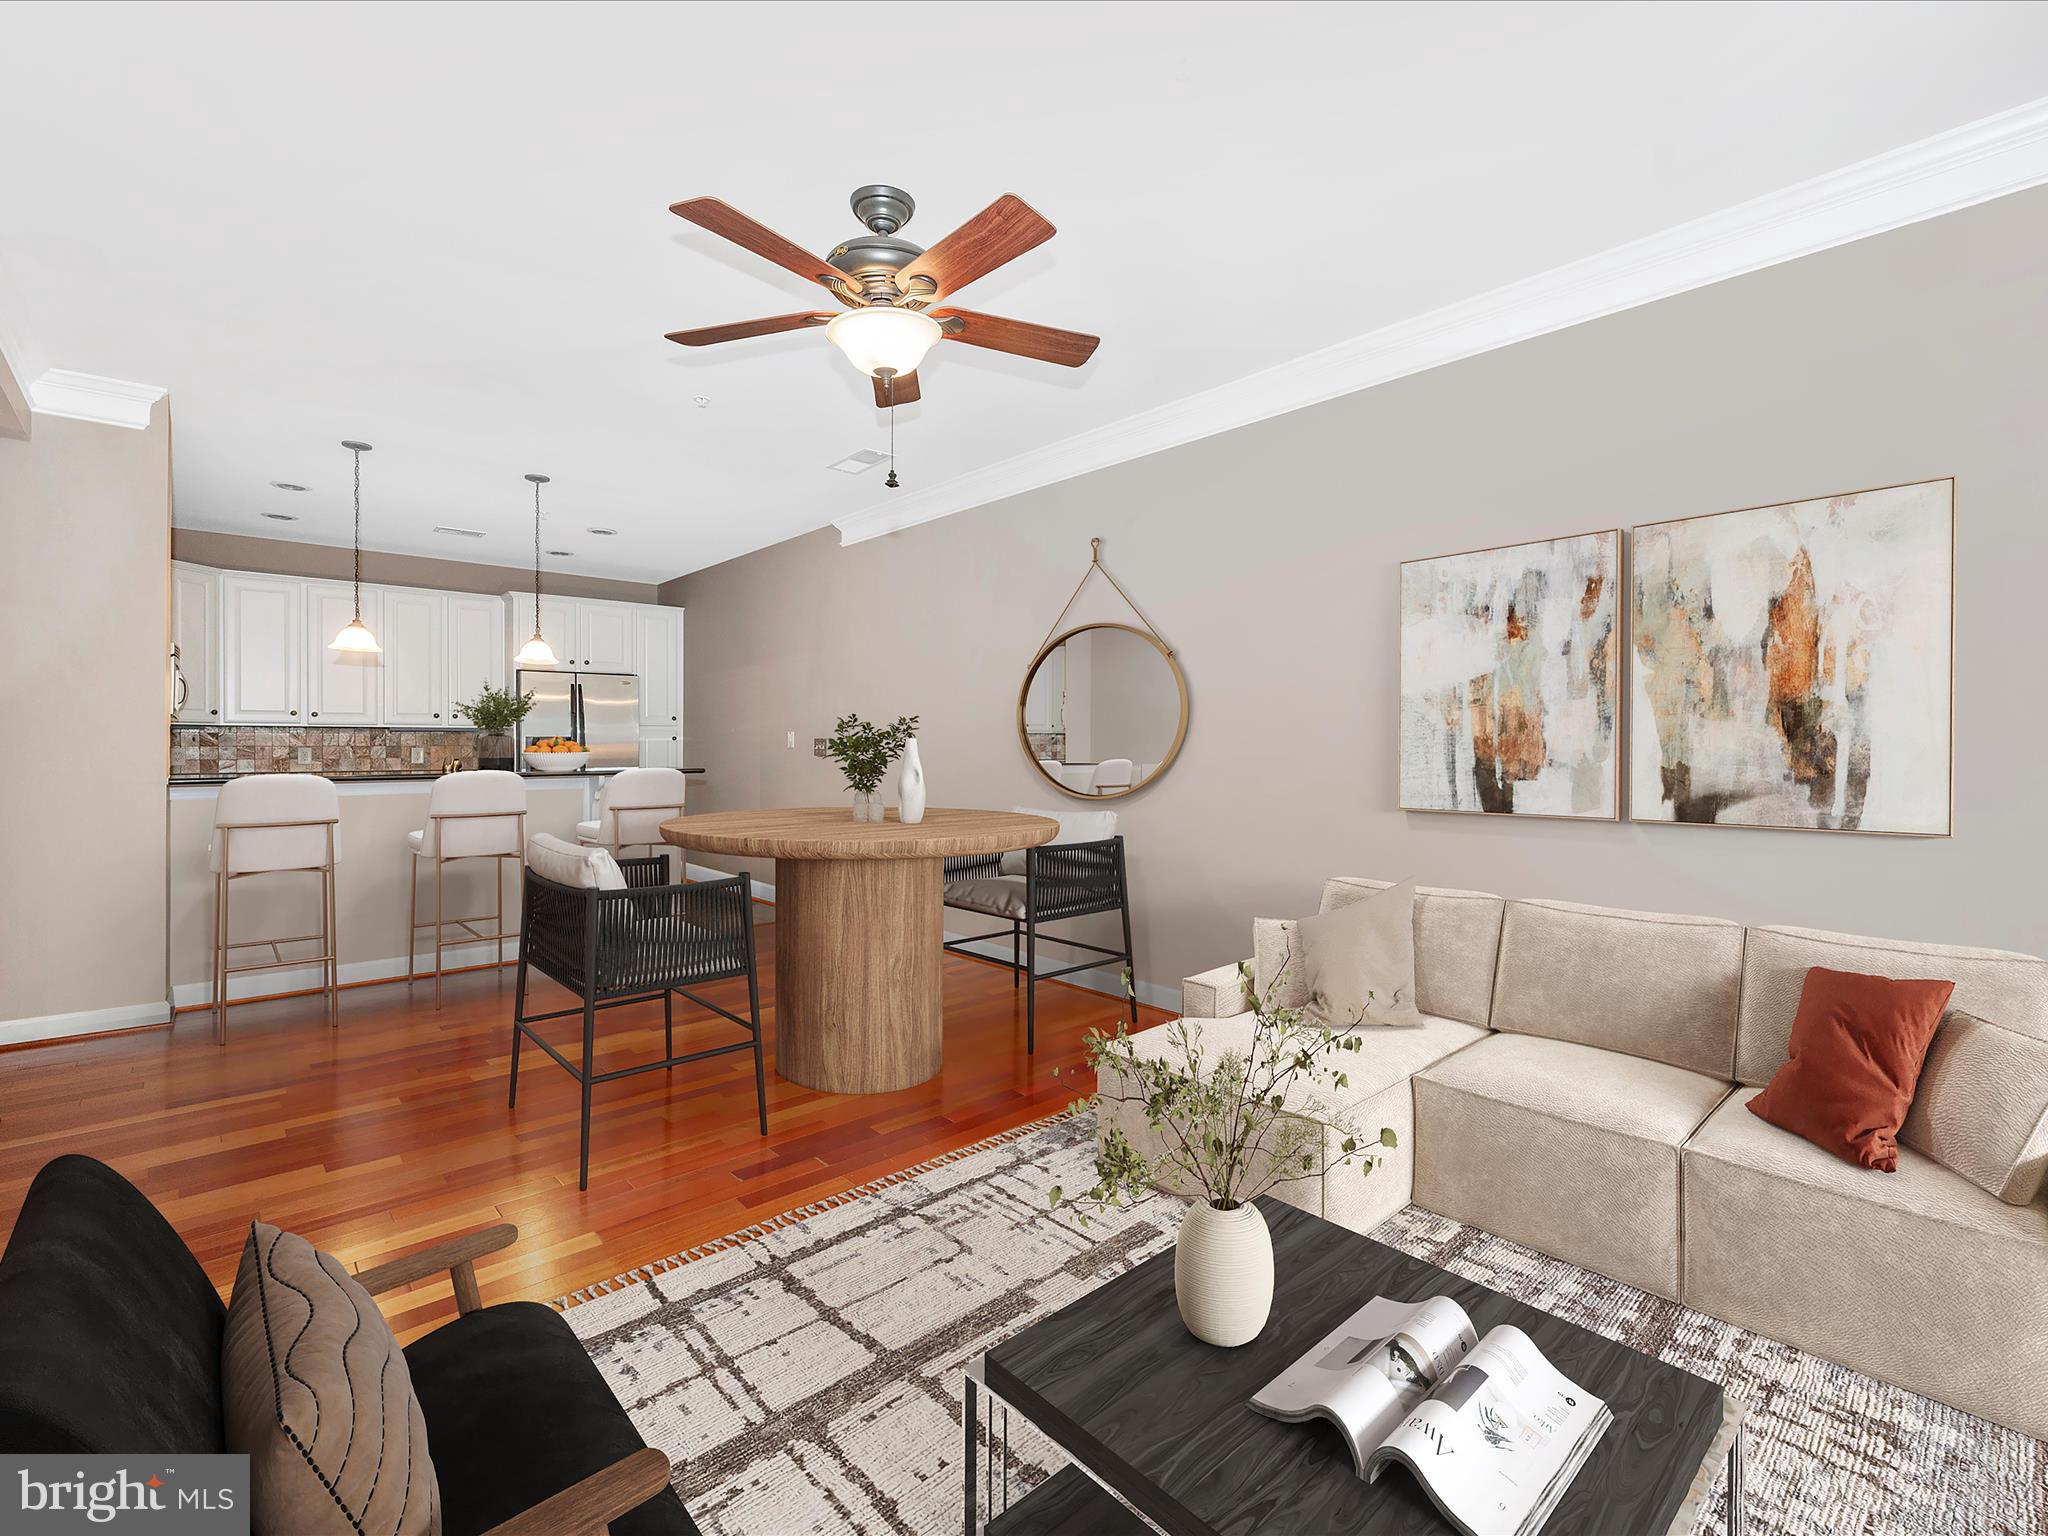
(859, 462)
(460, 533)
(282, 517)
(603, 533)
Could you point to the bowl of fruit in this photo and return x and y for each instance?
(556, 754)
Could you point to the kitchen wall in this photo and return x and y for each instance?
(1268, 557)
(332, 562)
(84, 694)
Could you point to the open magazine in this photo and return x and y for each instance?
(1490, 1428)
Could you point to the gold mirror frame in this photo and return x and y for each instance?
(1180, 732)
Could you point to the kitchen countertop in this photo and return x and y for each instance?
(423, 775)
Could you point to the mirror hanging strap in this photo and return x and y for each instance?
(1095, 564)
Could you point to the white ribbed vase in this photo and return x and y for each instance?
(1223, 1273)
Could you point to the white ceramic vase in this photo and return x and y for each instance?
(1223, 1273)
(910, 786)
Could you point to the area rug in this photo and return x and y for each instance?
(804, 1376)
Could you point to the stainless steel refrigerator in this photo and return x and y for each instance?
(599, 709)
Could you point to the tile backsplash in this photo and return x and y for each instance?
(205, 750)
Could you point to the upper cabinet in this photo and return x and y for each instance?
(342, 687)
(263, 626)
(658, 658)
(607, 631)
(476, 648)
(415, 669)
(195, 632)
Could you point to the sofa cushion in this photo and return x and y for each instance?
(109, 1329)
(516, 1412)
(1360, 959)
(1279, 968)
(2008, 989)
(993, 895)
(1917, 1276)
(1652, 984)
(1857, 1047)
(587, 867)
(1565, 1147)
(1981, 1108)
(315, 1393)
(1457, 942)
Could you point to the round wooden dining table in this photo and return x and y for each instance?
(859, 931)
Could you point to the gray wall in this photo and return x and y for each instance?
(1267, 556)
(84, 697)
(288, 557)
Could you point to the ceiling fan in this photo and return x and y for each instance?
(888, 287)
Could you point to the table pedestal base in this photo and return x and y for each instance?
(858, 973)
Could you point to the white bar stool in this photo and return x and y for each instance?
(476, 815)
(631, 807)
(274, 823)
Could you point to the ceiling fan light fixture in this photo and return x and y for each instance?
(882, 337)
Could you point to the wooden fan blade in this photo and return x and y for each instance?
(905, 392)
(1070, 349)
(740, 330)
(1003, 231)
(723, 219)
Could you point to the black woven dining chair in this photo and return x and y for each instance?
(650, 940)
(1058, 881)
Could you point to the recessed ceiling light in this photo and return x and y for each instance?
(858, 462)
(286, 485)
(603, 533)
(703, 401)
(562, 554)
(459, 533)
(282, 517)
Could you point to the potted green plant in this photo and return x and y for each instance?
(1232, 1125)
(496, 714)
(864, 753)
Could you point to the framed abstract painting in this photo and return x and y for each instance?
(1510, 680)
(1793, 666)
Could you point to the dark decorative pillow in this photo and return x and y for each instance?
(1858, 1043)
(315, 1392)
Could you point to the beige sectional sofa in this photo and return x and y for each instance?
(1580, 1086)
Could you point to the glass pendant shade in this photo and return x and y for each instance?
(883, 337)
(536, 653)
(353, 636)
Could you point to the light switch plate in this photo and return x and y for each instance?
(817, 746)
(792, 739)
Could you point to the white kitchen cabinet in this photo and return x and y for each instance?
(661, 749)
(415, 672)
(606, 631)
(476, 649)
(195, 631)
(263, 659)
(342, 687)
(658, 658)
(560, 621)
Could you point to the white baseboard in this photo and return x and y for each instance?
(91, 1021)
(192, 994)
(1100, 979)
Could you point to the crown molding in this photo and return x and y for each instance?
(1951, 171)
(88, 397)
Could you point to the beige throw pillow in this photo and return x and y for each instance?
(1980, 1108)
(1353, 966)
(314, 1391)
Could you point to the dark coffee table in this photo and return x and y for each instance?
(1163, 1421)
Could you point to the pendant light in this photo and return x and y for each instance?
(536, 652)
(355, 635)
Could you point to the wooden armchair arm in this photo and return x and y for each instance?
(457, 1255)
(589, 1507)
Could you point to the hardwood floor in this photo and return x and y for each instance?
(393, 1129)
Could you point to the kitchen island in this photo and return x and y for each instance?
(373, 865)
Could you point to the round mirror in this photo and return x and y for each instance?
(1103, 710)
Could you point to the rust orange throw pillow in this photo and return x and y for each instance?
(1858, 1043)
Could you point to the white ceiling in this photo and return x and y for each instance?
(444, 229)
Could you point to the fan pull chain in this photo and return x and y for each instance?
(892, 482)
